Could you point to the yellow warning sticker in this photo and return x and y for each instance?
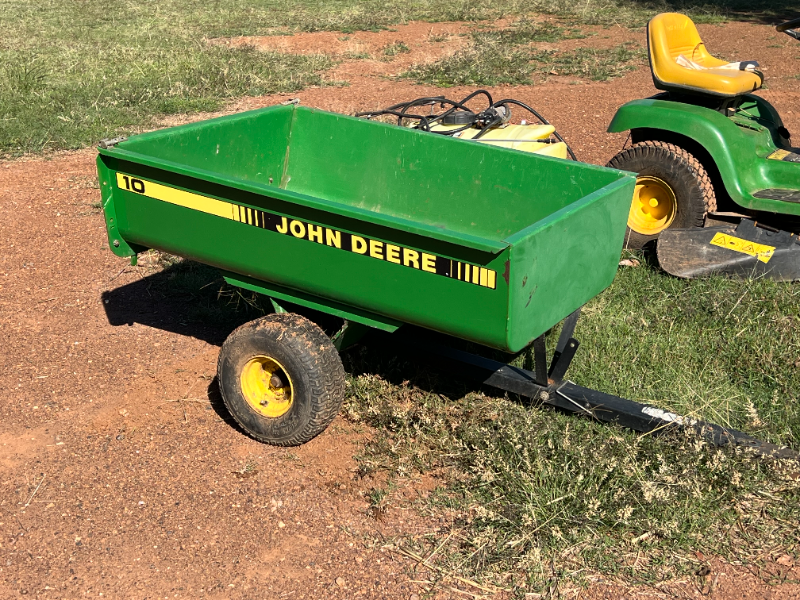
(785, 156)
(760, 251)
(779, 155)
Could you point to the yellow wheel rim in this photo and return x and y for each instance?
(267, 386)
(654, 206)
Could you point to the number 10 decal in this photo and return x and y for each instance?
(132, 184)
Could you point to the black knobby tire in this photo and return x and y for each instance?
(313, 367)
(686, 176)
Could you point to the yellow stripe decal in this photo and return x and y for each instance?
(407, 257)
(179, 197)
(760, 251)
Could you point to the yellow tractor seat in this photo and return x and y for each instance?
(673, 41)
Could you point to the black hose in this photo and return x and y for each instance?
(485, 119)
(541, 119)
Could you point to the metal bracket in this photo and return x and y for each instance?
(111, 142)
(290, 296)
(279, 310)
(349, 335)
(115, 241)
(540, 361)
(566, 348)
(562, 360)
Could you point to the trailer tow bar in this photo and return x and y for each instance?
(548, 387)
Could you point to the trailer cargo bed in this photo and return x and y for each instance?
(376, 223)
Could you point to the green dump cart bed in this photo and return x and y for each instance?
(375, 223)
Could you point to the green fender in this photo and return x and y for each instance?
(737, 145)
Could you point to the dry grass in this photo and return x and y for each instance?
(529, 494)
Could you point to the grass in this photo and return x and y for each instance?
(597, 64)
(526, 31)
(257, 17)
(72, 73)
(357, 55)
(476, 65)
(740, 336)
(502, 56)
(45, 105)
(530, 495)
(435, 38)
(396, 48)
(495, 65)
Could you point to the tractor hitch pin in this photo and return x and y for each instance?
(563, 395)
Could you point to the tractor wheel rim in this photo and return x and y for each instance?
(259, 378)
(654, 206)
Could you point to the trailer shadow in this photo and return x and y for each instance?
(378, 359)
(218, 406)
(400, 370)
(403, 364)
(185, 298)
(192, 300)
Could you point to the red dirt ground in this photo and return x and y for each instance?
(120, 474)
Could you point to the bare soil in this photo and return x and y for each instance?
(122, 476)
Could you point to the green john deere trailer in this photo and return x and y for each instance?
(383, 226)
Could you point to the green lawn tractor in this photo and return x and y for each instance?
(718, 181)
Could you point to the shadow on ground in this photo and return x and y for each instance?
(768, 12)
(193, 300)
(185, 298)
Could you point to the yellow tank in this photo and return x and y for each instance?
(528, 138)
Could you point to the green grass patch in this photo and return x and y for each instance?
(502, 56)
(476, 65)
(525, 32)
(493, 64)
(47, 104)
(257, 17)
(529, 495)
(435, 38)
(72, 73)
(741, 338)
(396, 48)
(597, 64)
(357, 55)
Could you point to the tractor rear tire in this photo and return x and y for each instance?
(673, 190)
(281, 379)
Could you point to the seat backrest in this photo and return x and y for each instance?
(670, 35)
